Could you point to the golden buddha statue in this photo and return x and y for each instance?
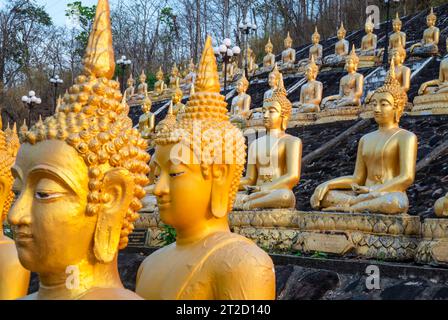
(311, 92)
(80, 175)
(269, 58)
(370, 40)
(341, 49)
(130, 90)
(240, 108)
(230, 71)
(274, 164)
(147, 121)
(159, 85)
(433, 95)
(251, 61)
(195, 191)
(316, 51)
(142, 89)
(14, 279)
(288, 55)
(402, 73)
(174, 78)
(191, 76)
(351, 86)
(176, 100)
(430, 43)
(385, 165)
(398, 38)
(273, 81)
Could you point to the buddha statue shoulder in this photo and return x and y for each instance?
(269, 58)
(195, 195)
(385, 164)
(80, 175)
(269, 184)
(341, 49)
(370, 40)
(14, 278)
(146, 122)
(289, 54)
(159, 85)
(130, 90)
(311, 92)
(429, 44)
(142, 89)
(351, 86)
(397, 38)
(440, 85)
(240, 107)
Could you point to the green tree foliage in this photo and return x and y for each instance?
(84, 15)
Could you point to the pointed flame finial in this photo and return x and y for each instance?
(207, 78)
(99, 59)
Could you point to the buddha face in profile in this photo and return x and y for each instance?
(385, 109)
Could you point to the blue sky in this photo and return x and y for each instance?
(56, 8)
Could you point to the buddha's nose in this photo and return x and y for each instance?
(161, 188)
(20, 213)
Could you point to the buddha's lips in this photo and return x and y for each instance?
(23, 237)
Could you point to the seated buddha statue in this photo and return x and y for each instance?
(130, 90)
(274, 163)
(369, 41)
(439, 85)
(146, 123)
(269, 58)
(252, 65)
(142, 89)
(350, 88)
(14, 279)
(385, 164)
(191, 76)
(273, 81)
(311, 92)
(316, 51)
(80, 176)
(230, 71)
(240, 108)
(159, 85)
(429, 45)
(174, 78)
(398, 38)
(195, 191)
(341, 50)
(288, 55)
(176, 100)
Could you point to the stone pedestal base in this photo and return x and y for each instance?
(339, 114)
(433, 249)
(430, 104)
(393, 238)
(302, 119)
(368, 61)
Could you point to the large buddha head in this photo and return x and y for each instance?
(431, 19)
(342, 32)
(389, 100)
(352, 61)
(80, 173)
(277, 109)
(397, 24)
(9, 145)
(199, 161)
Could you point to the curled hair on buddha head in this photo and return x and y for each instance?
(93, 119)
(9, 146)
(393, 86)
(218, 139)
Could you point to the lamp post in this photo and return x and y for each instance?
(31, 100)
(226, 54)
(124, 62)
(55, 81)
(246, 29)
(388, 22)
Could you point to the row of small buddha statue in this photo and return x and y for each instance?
(368, 50)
